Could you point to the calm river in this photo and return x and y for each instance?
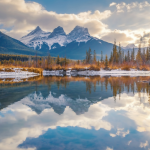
(76, 113)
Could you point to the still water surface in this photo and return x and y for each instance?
(77, 113)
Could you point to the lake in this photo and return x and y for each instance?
(76, 113)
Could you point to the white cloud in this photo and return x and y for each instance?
(112, 4)
(125, 22)
(129, 142)
(144, 144)
(108, 148)
(23, 16)
(132, 6)
(131, 16)
(119, 36)
(112, 135)
(120, 132)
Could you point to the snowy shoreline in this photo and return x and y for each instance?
(117, 72)
(17, 75)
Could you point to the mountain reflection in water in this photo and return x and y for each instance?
(69, 113)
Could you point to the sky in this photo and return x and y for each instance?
(126, 21)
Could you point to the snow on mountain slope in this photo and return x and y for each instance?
(37, 37)
(78, 34)
(57, 31)
(38, 103)
(57, 36)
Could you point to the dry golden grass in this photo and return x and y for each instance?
(144, 67)
(94, 67)
(73, 67)
(126, 67)
(30, 69)
(35, 70)
(6, 69)
(79, 67)
(83, 67)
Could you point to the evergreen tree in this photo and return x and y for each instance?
(128, 57)
(94, 57)
(89, 56)
(98, 64)
(65, 61)
(106, 62)
(111, 58)
(11, 61)
(147, 54)
(138, 56)
(115, 53)
(29, 61)
(101, 56)
(149, 50)
(144, 55)
(125, 58)
(120, 54)
(132, 55)
(48, 60)
(36, 58)
(86, 59)
(58, 60)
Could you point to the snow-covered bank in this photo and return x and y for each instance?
(117, 72)
(53, 73)
(17, 74)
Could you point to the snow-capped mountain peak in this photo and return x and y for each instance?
(37, 37)
(37, 30)
(79, 34)
(81, 30)
(72, 45)
(57, 31)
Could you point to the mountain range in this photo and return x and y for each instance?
(9, 45)
(72, 45)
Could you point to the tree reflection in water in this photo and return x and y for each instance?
(117, 84)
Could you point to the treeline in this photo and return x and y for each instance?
(16, 57)
(46, 62)
(57, 63)
(139, 59)
(142, 57)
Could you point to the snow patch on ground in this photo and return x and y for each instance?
(117, 72)
(17, 75)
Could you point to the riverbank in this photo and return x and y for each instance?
(17, 74)
(102, 72)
